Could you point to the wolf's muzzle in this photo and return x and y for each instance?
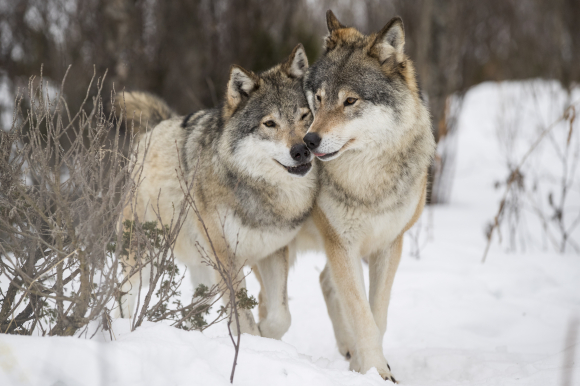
(299, 152)
(312, 140)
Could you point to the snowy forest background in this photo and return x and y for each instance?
(488, 290)
(182, 50)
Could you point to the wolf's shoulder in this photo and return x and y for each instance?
(200, 119)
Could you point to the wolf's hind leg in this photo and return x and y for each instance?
(201, 274)
(272, 273)
(342, 332)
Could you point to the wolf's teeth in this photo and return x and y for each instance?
(300, 169)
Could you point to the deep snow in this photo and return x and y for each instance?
(452, 319)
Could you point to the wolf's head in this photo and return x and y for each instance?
(362, 91)
(265, 118)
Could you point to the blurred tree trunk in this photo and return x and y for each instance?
(439, 59)
(121, 32)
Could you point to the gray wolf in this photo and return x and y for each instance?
(373, 131)
(255, 181)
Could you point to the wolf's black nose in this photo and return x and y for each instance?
(299, 152)
(312, 140)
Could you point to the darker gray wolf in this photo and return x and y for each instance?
(255, 180)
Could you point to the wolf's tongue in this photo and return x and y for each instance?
(319, 154)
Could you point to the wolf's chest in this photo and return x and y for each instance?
(253, 244)
(369, 227)
(382, 229)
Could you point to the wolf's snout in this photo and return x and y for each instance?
(312, 140)
(299, 152)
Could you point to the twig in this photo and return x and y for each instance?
(515, 172)
(227, 275)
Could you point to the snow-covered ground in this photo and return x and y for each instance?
(452, 319)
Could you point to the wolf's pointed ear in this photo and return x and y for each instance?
(297, 63)
(241, 84)
(390, 41)
(332, 22)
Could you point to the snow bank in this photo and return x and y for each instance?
(156, 354)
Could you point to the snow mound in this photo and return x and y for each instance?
(156, 354)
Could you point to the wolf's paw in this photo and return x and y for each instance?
(344, 351)
(364, 362)
(247, 324)
(389, 376)
(275, 326)
(116, 314)
(344, 348)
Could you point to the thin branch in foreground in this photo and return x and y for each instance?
(225, 264)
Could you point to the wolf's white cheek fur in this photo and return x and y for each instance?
(278, 151)
(332, 142)
(375, 126)
(255, 156)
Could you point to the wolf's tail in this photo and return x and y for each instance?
(145, 109)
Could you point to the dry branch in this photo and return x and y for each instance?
(516, 179)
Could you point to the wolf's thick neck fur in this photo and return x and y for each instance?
(378, 179)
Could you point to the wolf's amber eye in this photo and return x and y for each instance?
(319, 98)
(304, 116)
(350, 101)
(270, 123)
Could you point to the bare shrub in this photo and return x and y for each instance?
(64, 180)
(528, 190)
(567, 149)
(60, 198)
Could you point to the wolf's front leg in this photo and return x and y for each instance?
(272, 273)
(367, 351)
(346, 273)
(382, 268)
(247, 322)
(128, 298)
(217, 239)
(246, 318)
